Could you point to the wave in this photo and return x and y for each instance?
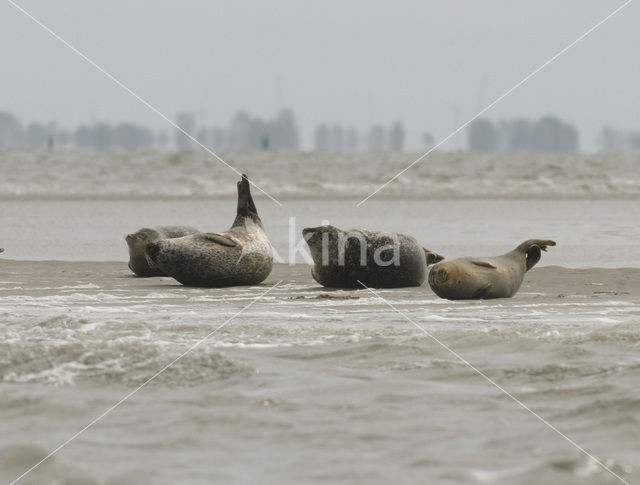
(17, 458)
(63, 350)
(196, 174)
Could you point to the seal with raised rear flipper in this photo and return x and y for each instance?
(483, 278)
(351, 259)
(240, 256)
(138, 241)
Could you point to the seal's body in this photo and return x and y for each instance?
(357, 258)
(138, 241)
(482, 278)
(240, 256)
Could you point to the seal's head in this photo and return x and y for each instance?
(532, 248)
(138, 240)
(323, 243)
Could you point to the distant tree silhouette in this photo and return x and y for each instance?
(322, 138)
(396, 137)
(11, 131)
(283, 131)
(162, 139)
(611, 140)
(634, 141)
(61, 137)
(351, 139)
(552, 135)
(204, 136)
(428, 140)
(83, 137)
(376, 138)
(186, 121)
(337, 138)
(37, 136)
(103, 136)
(549, 134)
(240, 130)
(483, 136)
(219, 138)
(520, 135)
(128, 136)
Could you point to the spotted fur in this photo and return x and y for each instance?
(240, 256)
(138, 241)
(357, 267)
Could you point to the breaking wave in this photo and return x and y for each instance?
(317, 175)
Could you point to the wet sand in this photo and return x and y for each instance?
(41, 278)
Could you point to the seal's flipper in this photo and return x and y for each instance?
(482, 292)
(219, 239)
(246, 206)
(532, 249)
(431, 257)
(483, 264)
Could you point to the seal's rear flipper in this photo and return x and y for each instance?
(246, 206)
(431, 257)
(532, 248)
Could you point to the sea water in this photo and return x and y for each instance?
(294, 383)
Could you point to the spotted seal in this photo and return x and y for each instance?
(351, 259)
(481, 278)
(138, 241)
(240, 256)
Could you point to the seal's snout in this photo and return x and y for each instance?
(129, 238)
(152, 250)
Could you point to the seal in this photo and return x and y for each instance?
(351, 259)
(138, 241)
(240, 256)
(483, 278)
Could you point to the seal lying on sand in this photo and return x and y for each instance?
(138, 242)
(377, 259)
(240, 256)
(497, 277)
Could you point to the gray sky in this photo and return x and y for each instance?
(352, 62)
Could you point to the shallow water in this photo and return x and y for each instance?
(314, 386)
(318, 175)
(309, 385)
(589, 233)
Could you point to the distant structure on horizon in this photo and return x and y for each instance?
(612, 140)
(336, 138)
(244, 132)
(548, 134)
(248, 132)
